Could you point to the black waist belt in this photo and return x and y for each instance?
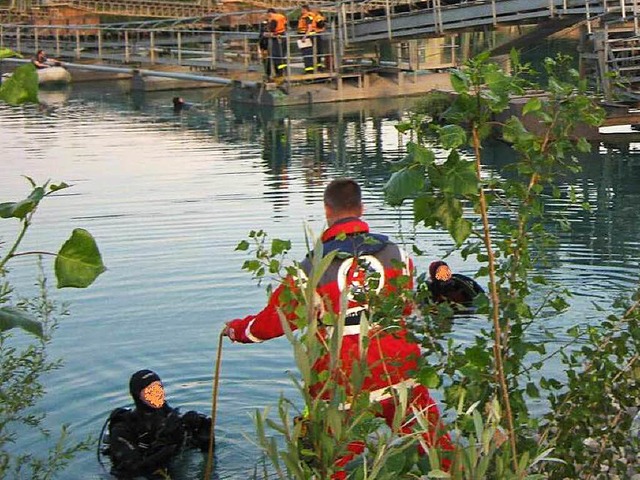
(353, 319)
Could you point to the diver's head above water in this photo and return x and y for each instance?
(147, 390)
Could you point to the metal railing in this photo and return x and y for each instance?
(367, 20)
(195, 49)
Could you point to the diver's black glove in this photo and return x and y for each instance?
(198, 428)
(171, 431)
(160, 457)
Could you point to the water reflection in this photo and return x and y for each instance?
(169, 197)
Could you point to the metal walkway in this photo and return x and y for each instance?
(151, 8)
(432, 18)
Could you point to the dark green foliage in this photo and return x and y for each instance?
(591, 404)
(24, 363)
(21, 87)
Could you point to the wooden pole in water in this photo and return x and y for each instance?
(35, 38)
(179, 48)
(18, 39)
(57, 42)
(214, 406)
(77, 43)
(1, 36)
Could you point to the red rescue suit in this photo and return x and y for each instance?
(392, 358)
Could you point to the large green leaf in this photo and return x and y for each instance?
(428, 376)
(420, 154)
(459, 81)
(454, 176)
(423, 210)
(448, 210)
(452, 136)
(21, 87)
(78, 262)
(16, 209)
(22, 208)
(8, 53)
(460, 229)
(11, 317)
(404, 184)
(461, 178)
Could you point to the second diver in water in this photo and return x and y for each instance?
(455, 288)
(143, 441)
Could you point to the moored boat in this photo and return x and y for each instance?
(53, 75)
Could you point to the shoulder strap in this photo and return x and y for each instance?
(118, 415)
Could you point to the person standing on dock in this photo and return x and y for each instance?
(319, 27)
(263, 48)
(306, 44)
(276, 30)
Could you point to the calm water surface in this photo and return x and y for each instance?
(168, 197)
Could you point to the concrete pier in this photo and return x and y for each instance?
(310, 89)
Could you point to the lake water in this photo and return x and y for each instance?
(168, 197)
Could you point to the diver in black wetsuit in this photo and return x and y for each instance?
(445, 286)
(143, 441)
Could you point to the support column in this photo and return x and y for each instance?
(152, 47)
(57, 42)
(18, 46)
(247, 53)
(126, 46)
(100, 44)
(179, 48)
(214, 48)
(388, 11)
(77, 43)
(35, 38)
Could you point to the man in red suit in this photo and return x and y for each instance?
(363, 264)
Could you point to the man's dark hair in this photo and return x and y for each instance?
(343, 194)
(271, 10)
(305, 7)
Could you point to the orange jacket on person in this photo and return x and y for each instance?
(277, 23)
(305, 23)
(319, 23)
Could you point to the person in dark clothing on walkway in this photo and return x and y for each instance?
(143, 441)
(305, 28)
(276, 30)
(263, 48)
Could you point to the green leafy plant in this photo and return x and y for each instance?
(588, 419)
(310, 436)
(22, 85)
(586, 430)
(25, 361)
